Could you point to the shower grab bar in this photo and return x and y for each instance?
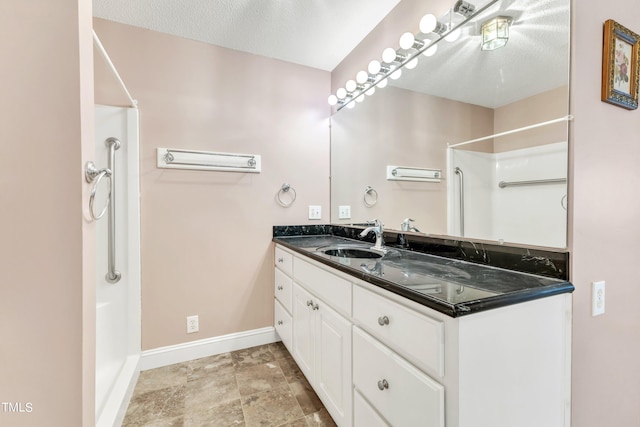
(503, 184)
(208, 160)
(113, 276)
(459, 172)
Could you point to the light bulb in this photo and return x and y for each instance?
(333, 100)
(432, 50)
(428, 23)
(362, 77)
(453, 35)
(351, 105)
(360, 98)
(383, 83)
(374, 67)
(396, 74)
(412, 64)
(350, 85)
(389, 55)
(341, 93)
(370, 91)
(406, 40)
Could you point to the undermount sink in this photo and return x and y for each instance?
(350, 251)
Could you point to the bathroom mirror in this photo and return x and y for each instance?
(403, 152)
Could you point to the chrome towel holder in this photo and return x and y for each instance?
(373, 196)
(95, 175)
(285, 190)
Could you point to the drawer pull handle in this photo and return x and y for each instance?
(309, 303)
(281, 260)
(383, 385)
(383, 320)
(280, 287)
(279, 322)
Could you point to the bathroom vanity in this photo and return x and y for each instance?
(415, 339)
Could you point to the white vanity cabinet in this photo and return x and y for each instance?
(283, 292)
(321, 335)
(378, 359)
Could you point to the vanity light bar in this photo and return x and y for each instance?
(392, 64)
(408, 173)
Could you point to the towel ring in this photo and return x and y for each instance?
(563, 202)
(373, 196)
(283, 190)
(95, 175)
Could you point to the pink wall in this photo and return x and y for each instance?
(47, 305)
(604, 229)
(206, 236)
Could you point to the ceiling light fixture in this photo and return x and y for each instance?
(495, 33)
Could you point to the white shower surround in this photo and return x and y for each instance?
(530, 214)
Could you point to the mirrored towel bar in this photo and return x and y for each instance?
(173, 158)
(503, 184)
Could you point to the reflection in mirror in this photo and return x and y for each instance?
(460, 94)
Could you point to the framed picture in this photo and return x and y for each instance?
(620, 66)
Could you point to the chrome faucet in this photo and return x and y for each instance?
(406, 225)
(378, 229)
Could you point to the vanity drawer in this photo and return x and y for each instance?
(334, 290)
(402, 394)
(283, 289)
(284, 260)
(283, 324)
(364, 415)
(413, 335)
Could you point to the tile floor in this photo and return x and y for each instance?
(260, 386)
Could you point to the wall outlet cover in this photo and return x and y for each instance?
(315, 212)
(344, 212)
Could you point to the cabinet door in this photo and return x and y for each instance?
(303, 331)
(364, 415)
(333, 362)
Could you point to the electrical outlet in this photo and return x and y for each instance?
(597, 298)
(344, 212)
(193, 324)
(315, 212)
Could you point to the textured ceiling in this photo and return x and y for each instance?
(315, 33)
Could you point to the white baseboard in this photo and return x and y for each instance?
(169, 355)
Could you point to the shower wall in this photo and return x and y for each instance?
(532, 214)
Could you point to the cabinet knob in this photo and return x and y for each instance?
(315, 306)
(279, 322)
(309, 303)
(383, 320)
(280, 260)
(383, 385)
(280, 287)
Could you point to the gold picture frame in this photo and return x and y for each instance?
(620, 66)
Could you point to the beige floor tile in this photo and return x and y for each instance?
(223, 415)
(291, 370)
(302, 422)
(271, 408)
(252, 356)
(257, 378)
(307, 398)
(159, 378)
(219, 364)
(156, 406)
(320, 419)
(278, 350)
(210, 391)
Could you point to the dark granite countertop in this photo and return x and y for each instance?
(451, 286)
